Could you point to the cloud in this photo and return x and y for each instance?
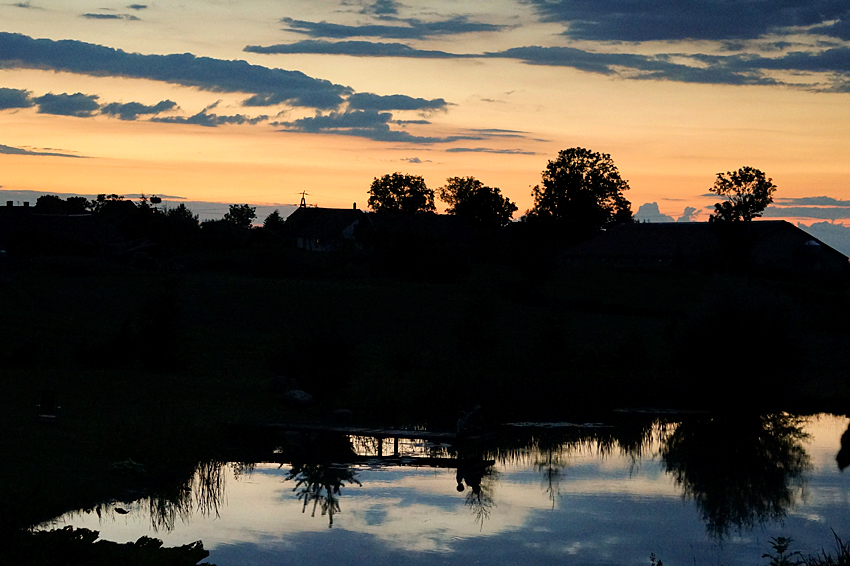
(816, 212)
(79, 104)
(343, 120)
(368, 124)
(15, 98)
(689, 215)
(489, 150)
(8, 150)
(704, 69)
(291, 87)
(369, 101)
(415, 160)
(382, 8)
(352, 48)
(202, 118)
(839, 29)
(128, 17)
(411, 28)
(501, 133)
(665, 20)
(649, 212)
(811, 201)
(818, 207)
(132, 110)
(137, 7)
(647, 67)
(834, 235)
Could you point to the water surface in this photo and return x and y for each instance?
(702, 491)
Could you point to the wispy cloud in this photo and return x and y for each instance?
(8, 150)
(811, 201)
(369, 101)
(92, 16)
(407, 29)
(817, 207)
(137, 7)
(816, 212)
(368, 124)
(733, 69)
(203, 118)
(132, 110)
(352, 48)
(489, 150)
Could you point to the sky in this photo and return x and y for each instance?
(257, 102)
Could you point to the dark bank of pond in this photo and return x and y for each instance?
(703, 489)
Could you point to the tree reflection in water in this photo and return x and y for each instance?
(176, 493)
(320, 484)
(739, 470)
(479, 478)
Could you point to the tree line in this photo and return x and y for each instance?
(581, 191)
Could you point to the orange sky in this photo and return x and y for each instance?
(482, 108)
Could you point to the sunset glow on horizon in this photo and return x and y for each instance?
(256, 103)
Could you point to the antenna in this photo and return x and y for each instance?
(303, 200)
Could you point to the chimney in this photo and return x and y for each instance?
(355, 206)
(10, 203)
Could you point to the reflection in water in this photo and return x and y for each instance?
(549, 451)
(740, 471)
(202, 493)
(549, 464)
(320, 484)
(178, 496)
(479, 478)
(843, 456)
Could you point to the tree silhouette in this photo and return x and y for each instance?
(274, 222)
(241, 215)
(398, 192)
(748, 192)
(582, 191)
(740, 470)
(469, 198)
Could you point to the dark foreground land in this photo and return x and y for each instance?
(151, 368)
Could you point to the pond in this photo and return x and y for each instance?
(700, 490)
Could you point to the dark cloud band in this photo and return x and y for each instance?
(132, 110)
(293, 87)
(408, 28)
(8, 150)
(664, 20)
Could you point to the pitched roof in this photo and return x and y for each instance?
(321, 222)
(774, 242)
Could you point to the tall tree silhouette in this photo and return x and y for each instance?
(748, 192)
(399, 192)
(483, 206)
(581, 192)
